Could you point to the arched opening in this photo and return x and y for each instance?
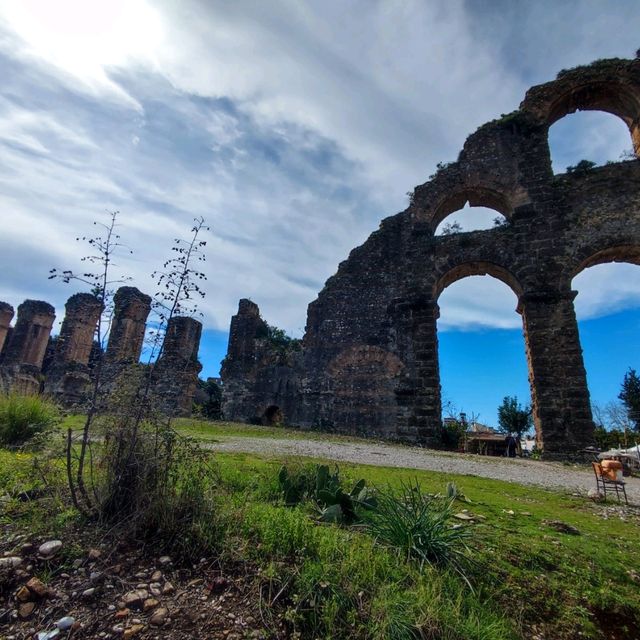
(471, 209)
(584, 139)
(481, 351)
(272, 416)
(608, 314)
(470, 219)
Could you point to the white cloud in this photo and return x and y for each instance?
(292, 127)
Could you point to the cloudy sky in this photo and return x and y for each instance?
(293, 127)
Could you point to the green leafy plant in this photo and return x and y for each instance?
(325, 489)
(23, 417)
(418, 527)
(584, 166)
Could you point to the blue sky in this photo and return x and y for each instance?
(293, 128)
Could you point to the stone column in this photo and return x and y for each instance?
(559, 392)
(239, 366)
(131, 308)
(24, 352)
(418, 396)
(68, 378)
(177, 370)
(29, 337)
(6, 315)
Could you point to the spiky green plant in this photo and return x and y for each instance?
(419, 528)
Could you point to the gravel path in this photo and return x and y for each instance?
(552, 475)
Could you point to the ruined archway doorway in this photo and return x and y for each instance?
(481, 348)
(608, 315)
(272, 416)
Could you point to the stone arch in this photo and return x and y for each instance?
(604, 86)
(476, 268)
(476, 197)
(616, 252)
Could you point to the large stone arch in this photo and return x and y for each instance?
(608, 85)
(381, 304)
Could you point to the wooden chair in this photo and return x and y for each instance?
(603, 480)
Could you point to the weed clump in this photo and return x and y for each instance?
(24, 417)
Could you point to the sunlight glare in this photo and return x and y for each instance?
(85, 36)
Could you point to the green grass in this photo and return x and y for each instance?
(213, 430)
(23, 417)
(338, 582)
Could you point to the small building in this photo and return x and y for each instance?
(485, 441)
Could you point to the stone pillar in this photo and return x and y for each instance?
(6, 315)
(68, 378)
(24, 351)
(29, 337)
(239, 366)
(177, 369)
(559, 392)
(418, 396)
(131, 308)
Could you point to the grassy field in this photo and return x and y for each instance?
(528, 578)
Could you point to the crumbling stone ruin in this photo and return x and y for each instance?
(369, 358)
(68, 379)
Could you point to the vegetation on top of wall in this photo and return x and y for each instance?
(278, 338)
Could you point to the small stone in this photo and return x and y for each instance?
(164, 560)
(89, 593)
(159, 617)
(135, 598)
(94, 554)
(65, 623)
(123, 613)
(195, 583)
(111, 607)
(150, 603)
(26, 609)
(24, 595)
(133, 631)
(10, 563)
(155, 588)
(38, 588)
(156, 576)
(50, 548)
(168, 589)
(562, 527)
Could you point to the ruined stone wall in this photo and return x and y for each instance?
(370, 351)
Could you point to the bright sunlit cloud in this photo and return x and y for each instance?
(84, 37)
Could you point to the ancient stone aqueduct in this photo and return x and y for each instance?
(68, 377)
(368, 362)
(369, 357)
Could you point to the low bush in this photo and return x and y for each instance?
(23, 417)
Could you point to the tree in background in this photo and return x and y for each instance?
(209, 399)
(514, 418)
(630, 396)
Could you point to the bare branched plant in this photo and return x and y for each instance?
(104, 246)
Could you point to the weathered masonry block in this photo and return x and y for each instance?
(131, 308)
(6, 315)
(369, 357)
(176, 373)
(22, 357)
(68, 379)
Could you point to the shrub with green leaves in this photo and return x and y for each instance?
(23, 417)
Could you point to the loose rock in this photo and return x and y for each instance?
(50, 548)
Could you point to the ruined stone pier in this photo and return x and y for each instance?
(176, 373)
(131, 308)
(24, 352)
(369, 359)
(68, 378)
